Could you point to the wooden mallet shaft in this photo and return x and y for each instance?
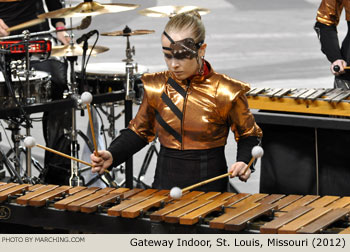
(63, 154)
(92, 129)
(216, 178)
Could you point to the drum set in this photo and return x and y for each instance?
(22, 87)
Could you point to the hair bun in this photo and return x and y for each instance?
(195, 13)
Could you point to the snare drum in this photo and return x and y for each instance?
(108, 77)
(40, 90)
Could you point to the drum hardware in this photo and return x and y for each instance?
(172, 10)
(88, 8)
(6, 70)
(13, 156)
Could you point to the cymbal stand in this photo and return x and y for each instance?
(29, 99)
(129, 96)
(74, 179)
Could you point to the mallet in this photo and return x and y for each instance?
(30, 142)
(86, 98)
(176, 192)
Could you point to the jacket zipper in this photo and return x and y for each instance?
(183, 116)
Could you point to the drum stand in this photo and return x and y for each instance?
(16, 137)
(129, 96)
(74, 179)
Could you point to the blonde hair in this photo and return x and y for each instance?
(188, 20)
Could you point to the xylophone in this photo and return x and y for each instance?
(322, 101)
(124, 210)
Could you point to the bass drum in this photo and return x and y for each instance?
(108, 77)
(39, 90)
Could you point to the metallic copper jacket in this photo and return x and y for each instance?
(195, 115)
(330, 10)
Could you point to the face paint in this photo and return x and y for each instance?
(182, 49)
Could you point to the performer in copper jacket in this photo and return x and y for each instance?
(191, 109)
(327, 20)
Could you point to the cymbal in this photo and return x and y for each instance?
(75, 50)
(26, 24)
(131, 33)
(171, 10)
(88, 9)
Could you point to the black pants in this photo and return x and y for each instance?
(184, 168)
(56, 124)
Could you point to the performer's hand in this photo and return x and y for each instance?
(3, 28)
(102, 162)
(341, 64)
(237, 169)
(63, 37)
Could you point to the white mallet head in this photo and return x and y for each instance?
(86, 97)
(257, 151)
(29, 142)
(175, 193)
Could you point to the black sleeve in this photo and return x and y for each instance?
(328, 36)
(244, 149)
(53, 5)
(125, 145)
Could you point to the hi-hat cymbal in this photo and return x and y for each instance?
(26, 24)
(171, 10)
(75, 50)
(88, 9)
(131, 33)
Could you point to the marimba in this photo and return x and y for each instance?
(124, 210)
(322, 101)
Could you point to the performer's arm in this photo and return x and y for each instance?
(3, 28)
(328, 37)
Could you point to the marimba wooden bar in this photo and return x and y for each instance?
(313, 101)
(121, 210)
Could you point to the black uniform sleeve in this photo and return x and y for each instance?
(328, 36)
(125, 145)
(244, 149)
(53, 5)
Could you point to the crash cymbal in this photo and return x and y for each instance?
(26, 24)
(128, 33)
(75, 50)
(171, 10)
(4, 1)
(88, 9)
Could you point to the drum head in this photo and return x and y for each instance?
(110, 69)
(36, 75)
